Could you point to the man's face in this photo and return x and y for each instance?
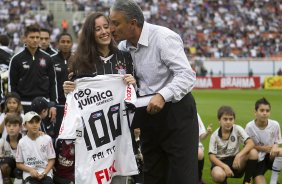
(32, 40)
(120, 27)
(44, 40)
(262, 113)
(65, 44)
(226, 122)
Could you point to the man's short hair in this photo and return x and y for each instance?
(31, 29)
(225, 110)
(45, 30)
(39, 104)
(262, 101)
(4, 40)
(13, 118)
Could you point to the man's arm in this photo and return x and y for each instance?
(53, 92)
(33, 172)
(184, 78)
(50, 165)
(13, 76)
(219, 163)
(249, 144)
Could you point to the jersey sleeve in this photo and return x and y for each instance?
(50, 149)
(213, 144)
(70, 120)
(19, 154)
(278, 139)
(202, 128)
(2, 147)
(242, 134)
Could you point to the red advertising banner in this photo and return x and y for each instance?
(227, 83)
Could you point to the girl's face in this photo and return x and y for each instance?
(12, 105)
(102, 31)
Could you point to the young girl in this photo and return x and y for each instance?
(12, 105)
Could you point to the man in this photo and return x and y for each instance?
(31, 72)
(61, 61)
(5, 56)
(169, 125)
(5, 53)
(45, 42)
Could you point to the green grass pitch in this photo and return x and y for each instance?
(242, 101)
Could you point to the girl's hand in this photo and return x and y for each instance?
(129, 79)
(68, 86)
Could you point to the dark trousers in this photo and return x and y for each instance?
(45, 180)
(170, 143)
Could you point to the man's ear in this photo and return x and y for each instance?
(133, 22)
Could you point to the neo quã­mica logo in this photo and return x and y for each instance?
(84, 97)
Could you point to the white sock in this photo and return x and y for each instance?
(276, 168)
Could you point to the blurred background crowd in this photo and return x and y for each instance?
(209, 28)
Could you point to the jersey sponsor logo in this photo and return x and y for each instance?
(128, 93)
(65, 109)
(85, 97)
(105, 174)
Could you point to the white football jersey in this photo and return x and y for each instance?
(202, 130)
(96, 118)
(264, 137)
(226, 148)
(35, 153)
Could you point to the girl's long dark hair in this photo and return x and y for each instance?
(86, 58)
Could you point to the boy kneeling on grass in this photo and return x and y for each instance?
(35, 153)
(8, 148)
(224, 150)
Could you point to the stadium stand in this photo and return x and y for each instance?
(213, 29)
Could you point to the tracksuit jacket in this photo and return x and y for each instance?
(61, 68)
(32, 76)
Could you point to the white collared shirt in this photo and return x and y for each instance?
(160, 63)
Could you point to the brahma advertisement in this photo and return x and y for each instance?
(227, 83)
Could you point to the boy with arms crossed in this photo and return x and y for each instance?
(267, 137)
(35, 153)
(224, 149)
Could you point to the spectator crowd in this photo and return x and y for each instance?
(216, 29)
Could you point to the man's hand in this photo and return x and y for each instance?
(228, 171)
(236, 163)
(209, 128)
(274, 152)
(53, 114)
(33, 173)
(156, 104)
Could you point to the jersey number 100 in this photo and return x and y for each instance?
(99, 115)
